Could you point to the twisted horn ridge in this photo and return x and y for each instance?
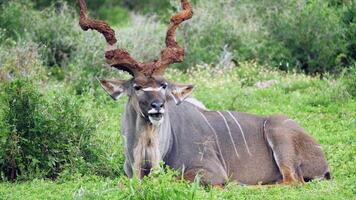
(117, 58)
(122, 60)
(173, 53)
(97, 25)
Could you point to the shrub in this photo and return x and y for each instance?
(308, 35)
(116, 15)
(40, 138)
(14, 21)
(348, 78)
(144, 39)
(56, 33)
(20, 60)
(113, 11)
(349, 20)
(148, 6)
(312, 36)
(219, 24)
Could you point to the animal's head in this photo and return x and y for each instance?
(148, 94)
(148, 89)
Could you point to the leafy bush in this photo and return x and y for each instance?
(56, 33)
(313, 36)
(113, 11)
(116, 15)
(211, 30)
(310, 33)
(349, 19)
(14, 21)
(40, 138)
(148, 6)
(20, 60)
(349, 80)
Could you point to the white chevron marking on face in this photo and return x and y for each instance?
(228, 129)
(151, 89)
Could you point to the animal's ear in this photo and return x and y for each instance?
(180, 92)
(115, 88)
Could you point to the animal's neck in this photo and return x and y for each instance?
(149, 143)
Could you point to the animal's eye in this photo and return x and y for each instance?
(164, 85)
(137, 87)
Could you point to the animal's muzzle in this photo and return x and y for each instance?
(156, 114)
(157, 105)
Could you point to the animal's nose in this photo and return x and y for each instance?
(157, 104)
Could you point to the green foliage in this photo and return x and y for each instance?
(211, 33)
(42, 137)
(114, 11)
(58, 36)
(140, 5)
(148, 6)
(56, 33)
(13, 21)
(20, 60)
(117, 15)
(349, 80)
(310, 34)
(314, 37)
(349, 19)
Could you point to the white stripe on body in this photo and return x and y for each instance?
(242, 132)
(174, 98)
(228, 128)
(270, 143)
(216, 136)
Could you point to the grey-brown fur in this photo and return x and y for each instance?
(278, 149)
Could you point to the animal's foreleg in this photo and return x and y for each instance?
(138, 154)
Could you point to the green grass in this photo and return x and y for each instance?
(324, 107)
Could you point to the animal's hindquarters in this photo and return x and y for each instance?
(298, 156)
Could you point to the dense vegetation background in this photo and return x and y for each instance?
(60, 132)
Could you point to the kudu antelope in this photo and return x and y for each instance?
(161, 123)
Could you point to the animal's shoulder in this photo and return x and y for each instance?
(196, 103)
